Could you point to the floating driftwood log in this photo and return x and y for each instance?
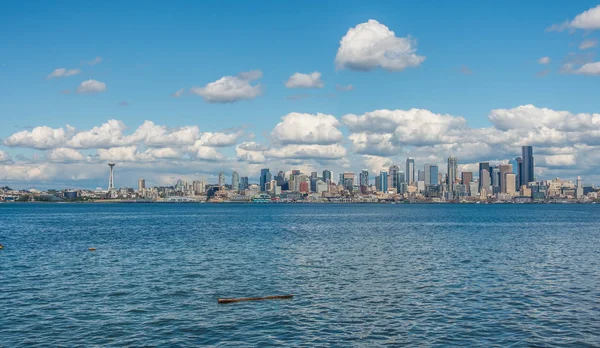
(92, 249)
(242, 299)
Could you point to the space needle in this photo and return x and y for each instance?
(111, 181)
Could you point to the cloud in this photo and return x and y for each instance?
(329, 152)
(95, 61)
(40, 137)
(107, 135)
(299, 80)
(376, 164)
(63, 72)
(587, 20)
(544, 60)
(178, 93)
(586, 44)
(63, 154)
(372, 45)
(91, 87)
(120, 154)
(378, 144)
(344, 87)
(4, 157)
(230, 89)
(298, 128)
(250, 152)
(588, 69)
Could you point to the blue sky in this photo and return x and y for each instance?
(149, 50)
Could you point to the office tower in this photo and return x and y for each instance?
(505, 169)
(327, 175)
(198, 187)
(383, 181)
(484, 166)
(495, 179)
(364, 180)
(296, 172)
(313, 175)
(341, 181)
(348, 180)
(452, 172)
(527, 168)
(510, 183)
(111, 181)
(235, 181)
(280, 178)
(579, 188)
(519, 168)
(265, 177)
(402, 188)
(466, 178)
(393, 177)
(431, 174)
(244, 184)
(313, 183)
(410, 171)
(141, 185)
(485, 181)
(421, 176)
(221, 180)
(473, 186)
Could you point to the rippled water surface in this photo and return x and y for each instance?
(362, 275)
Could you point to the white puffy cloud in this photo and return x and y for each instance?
(42, 137)
(376, 164)
(229, 89)
(220, 139)
(586, 44)
(529, 117)
(588, 69)
(91, 87)
(63, 72)
(121, 154)
(207, 153)
(544, 60)
(372, 45)
(559, 160)
(296, 151)
(107, 135)
(298, 128)
(63, 154)
(250, 152)
(299, 80)
(4, 156)
(587, 20)
(153, 135)
(379, 144)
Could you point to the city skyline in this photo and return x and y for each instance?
(311, 101)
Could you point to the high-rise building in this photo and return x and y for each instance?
(383, 181)
(484, 182)
(452, 172)
(394, 183)
(510, 183)
(402, 186)
(348, 180)
(579, 188)
(313, 175)
(111, 180)
(265, 177)
(410, 171)
(495, 179)
(221, 180)
(527, 169)
(235, 181)
(280, 178)
(431, 174)
(505, 169)
(421, 176)
(519, 169)
(364, 180)
(141, 184)
(198, 187)
(244, 184)
(466, 178)
(327, 175)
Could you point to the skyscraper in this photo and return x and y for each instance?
(221, 180)
(244, 184)
(364, 178)
(327, 175)
(410, 171)
(505, 169)
(265, 177)
(484, 178)
(348, 180)
(235, 181)
(141, 184)
(519, 169)
(452, 172)
(431, 174)
(527, 169)
(383, 181)
(393, 177)
(402, 186)
(466, 178)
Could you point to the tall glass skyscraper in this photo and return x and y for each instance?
(452, 172)
(383, 181)
(410, 171)
(235, 181)
(484, 177)
(265, 177)
(527, 168)
(327, 175)
(394, 179)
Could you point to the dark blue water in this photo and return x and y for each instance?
(362, 275)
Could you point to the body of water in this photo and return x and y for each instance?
(361, 275)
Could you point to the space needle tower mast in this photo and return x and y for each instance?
(111, 181)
